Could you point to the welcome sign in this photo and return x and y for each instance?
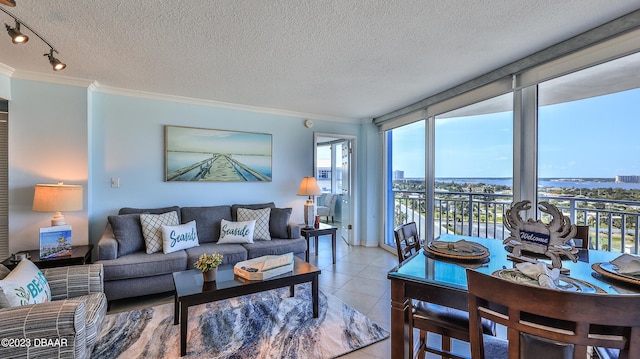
(551, 239)
(542, 239)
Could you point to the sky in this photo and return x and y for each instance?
(596, 137)
(217, 141)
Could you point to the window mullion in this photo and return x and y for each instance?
(430, 180)
(525, 146)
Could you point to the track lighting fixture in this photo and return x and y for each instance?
(10, 3)
(17, 37)
(55, 63)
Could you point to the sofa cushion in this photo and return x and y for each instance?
(135, 287)
(279, 222)
(127, 232)
(182, 236)
(141, 264)
(207, 220)
(236, 232)
(129, 210)
(234, 208)
(275, 247)
(24, 285)
(261, 216)
(231, 253)
(152, 228)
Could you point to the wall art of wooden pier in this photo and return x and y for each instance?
(220, 168)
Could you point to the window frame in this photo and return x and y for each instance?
(524, 86)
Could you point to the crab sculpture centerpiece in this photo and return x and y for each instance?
(550, 239)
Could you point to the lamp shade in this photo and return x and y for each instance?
(57, 198)
(309, 187)
(11, 3)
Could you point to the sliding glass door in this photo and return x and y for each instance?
(473, 151)
(570, 139)
(588, 163)
(405, 178)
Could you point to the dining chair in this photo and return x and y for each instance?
(407, 240)
(428, 317)
(581, 238)
(549, 323)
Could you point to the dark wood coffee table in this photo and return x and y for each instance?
(192, 290)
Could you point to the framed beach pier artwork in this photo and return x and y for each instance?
(209, 155)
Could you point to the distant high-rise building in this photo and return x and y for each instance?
(627, 179)
(398, 175)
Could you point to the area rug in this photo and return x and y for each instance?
(264, 325)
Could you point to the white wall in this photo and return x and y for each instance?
(47, 144)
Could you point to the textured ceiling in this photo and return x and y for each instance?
(342, 59)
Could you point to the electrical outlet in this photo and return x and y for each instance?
(115, 182)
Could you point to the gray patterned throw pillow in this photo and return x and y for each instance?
(152, 228)
(261, 216)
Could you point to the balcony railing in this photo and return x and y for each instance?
(611, 222)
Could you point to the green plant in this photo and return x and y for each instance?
(207, 262)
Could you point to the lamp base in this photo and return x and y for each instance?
(309, 213)
(58, 219)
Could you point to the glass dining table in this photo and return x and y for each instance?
(443, 281)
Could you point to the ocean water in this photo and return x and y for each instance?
(550, 182)
(261, 164)
(178, 160)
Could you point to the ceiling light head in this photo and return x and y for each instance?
(10, 3)
(16, 36)
(55, 63)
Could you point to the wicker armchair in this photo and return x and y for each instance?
(66, 327)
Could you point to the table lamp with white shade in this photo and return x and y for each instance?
(309, 187)
(57, 198)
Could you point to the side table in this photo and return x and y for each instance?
(79, 255)
(322, 230)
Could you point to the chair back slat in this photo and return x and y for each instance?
(578, 319)
(407, 240)
(582, 237)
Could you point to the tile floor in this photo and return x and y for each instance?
(359, 278)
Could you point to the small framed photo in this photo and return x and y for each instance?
(55, 242)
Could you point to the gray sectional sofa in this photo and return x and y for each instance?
(129, 271)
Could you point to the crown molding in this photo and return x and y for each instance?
(51, 78)
(97, 87)
(6, 70)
